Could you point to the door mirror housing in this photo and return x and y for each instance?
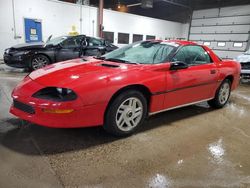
(177, 65)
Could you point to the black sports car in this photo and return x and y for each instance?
(37, 55)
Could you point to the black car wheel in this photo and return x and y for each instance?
(222, 95)
(126, 113)
(39, 61)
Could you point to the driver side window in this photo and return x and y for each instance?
(73, 42)
(192, 55)
(95, 42)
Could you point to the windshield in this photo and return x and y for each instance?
(57, 40)
(146, 52)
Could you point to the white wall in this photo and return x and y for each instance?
(133, 24)
(58, 18)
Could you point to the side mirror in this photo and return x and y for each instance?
(178, 65)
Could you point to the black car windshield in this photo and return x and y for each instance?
(146, 52)
(57, 40)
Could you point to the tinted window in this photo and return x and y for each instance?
(57, 40)
(109, 36)
(150, 37)
(95, 42)
(72, 42)
(123, 38)
(192, 55)
(137, 37)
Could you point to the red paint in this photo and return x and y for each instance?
(95, 85)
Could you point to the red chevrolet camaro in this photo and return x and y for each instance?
(120, 89)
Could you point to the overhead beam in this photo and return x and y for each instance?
(174, 3)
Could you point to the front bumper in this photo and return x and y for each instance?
(245, 73)
(18, 61)
(81, 116)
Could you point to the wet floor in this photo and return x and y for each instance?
(189, 147)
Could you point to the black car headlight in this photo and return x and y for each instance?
(21, 53)
(56, 94)
(7, 50)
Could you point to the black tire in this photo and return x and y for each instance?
(216, 102)
(113, 116)
(39, 61)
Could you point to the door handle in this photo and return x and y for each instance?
(212, 71)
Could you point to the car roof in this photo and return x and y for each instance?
(179, 42)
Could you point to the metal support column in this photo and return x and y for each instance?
(100, 18)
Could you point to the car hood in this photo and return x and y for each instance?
(77, 72)
(243, 58)
(25, 46)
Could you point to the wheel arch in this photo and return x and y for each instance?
(230, 77)
(138, 87)
(40, 53)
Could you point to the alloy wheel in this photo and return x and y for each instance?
(129, 114)
(39, 62)
(224, 93)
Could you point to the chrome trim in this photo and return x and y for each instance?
(183, 105)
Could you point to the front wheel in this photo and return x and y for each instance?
(126, 113)
(39, 61)
(222, 95)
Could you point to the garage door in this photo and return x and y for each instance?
(225, 30)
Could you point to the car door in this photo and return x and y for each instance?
(195, 83)
(95, 47)
(70, 49)
(109, 47)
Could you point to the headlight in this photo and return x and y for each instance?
(7, 50)
(56, 94)
(22, 52)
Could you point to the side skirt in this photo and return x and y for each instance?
(183, 105)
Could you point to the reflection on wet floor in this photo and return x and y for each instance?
(159, 181)
(195, 146)
(217, 151)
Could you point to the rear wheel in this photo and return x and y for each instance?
(126, 113)
(39, 61)
(222, 95)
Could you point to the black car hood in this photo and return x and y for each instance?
(25, 46)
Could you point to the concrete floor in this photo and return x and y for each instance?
(189, 147)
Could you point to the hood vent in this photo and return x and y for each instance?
(109, 65)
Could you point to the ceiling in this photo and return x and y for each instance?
(173, 10)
